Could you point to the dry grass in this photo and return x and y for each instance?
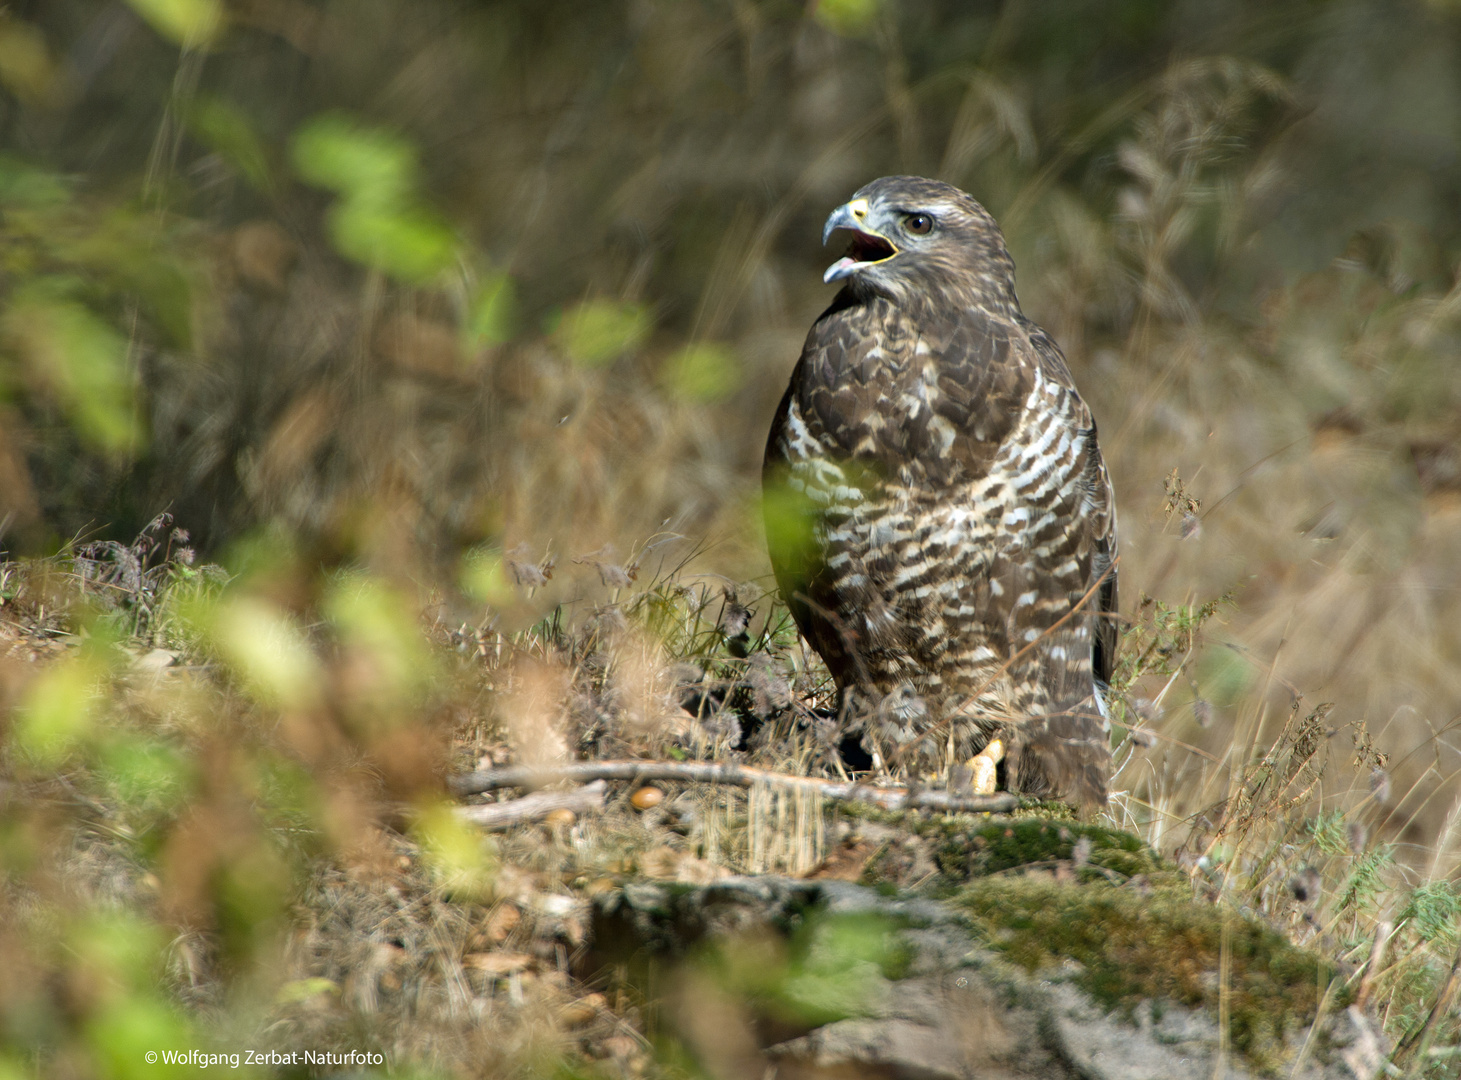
(317, 894)
(509, 533)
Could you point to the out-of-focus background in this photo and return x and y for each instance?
(420, 277)
(443, 291)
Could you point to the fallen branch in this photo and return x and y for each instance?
(534, 807)
(715, 772)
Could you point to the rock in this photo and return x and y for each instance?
(827, 979)
(155, 661)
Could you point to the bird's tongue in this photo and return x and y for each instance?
(839, 269)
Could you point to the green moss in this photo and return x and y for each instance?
(863, 811)
(1045, 811)
(826, 968)
(999, 846)
(1159, 946)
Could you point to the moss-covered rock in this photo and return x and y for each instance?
(938, 854)
(1020, 974)
(1041, 842)
(1123, 946)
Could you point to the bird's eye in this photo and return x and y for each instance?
(918, 224)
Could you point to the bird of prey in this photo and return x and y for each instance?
(940, 520)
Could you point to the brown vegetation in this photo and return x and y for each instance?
(452, 330)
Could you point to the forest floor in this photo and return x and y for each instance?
(227, 823)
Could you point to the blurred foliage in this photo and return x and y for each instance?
(705, 371)
(847, 17)
(190, 23)
(377, 221)
(223, 127)
(377, 298)
(224, 817)
(596, 332)
(828, 970)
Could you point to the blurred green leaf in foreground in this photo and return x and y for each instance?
(189, 23)
(378, 220)
(598, 332)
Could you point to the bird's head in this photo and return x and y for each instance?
(916, 238)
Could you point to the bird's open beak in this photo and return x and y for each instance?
(867, 247)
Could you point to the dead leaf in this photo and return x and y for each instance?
(264, 254)
(499, 963)
(583, 1010)
(661, 863)
(501, 922)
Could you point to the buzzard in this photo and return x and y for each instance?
(940, 520)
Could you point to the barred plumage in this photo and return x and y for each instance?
(953, 504)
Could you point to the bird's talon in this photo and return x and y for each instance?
(982, 767)
(983, 779)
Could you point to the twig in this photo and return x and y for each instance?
(534, 807)
(715, 772)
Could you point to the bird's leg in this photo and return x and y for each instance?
(982, 766)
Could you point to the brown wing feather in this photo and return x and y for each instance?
(1098, 518)
(1066, 751)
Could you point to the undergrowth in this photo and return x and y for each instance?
(244, 769)
(544, 279)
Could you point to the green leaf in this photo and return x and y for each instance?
(224, 128)
(337, 152)
(790, 519)
(483, 577)
(127, 1029)
(459, 854)
(268, 649)
(252, 891)
(289, 798)
(58, 712)
(23, 184)
(145, 773)
(1225, 676)
(848, 18)
(378, 221)
(27, 68)
(121, 951)
(189, 23)
(703, 372)
(492, 315)
(80, 359)
(1330, 834)
(402, 241)
(1434, 908)
(599, 331)
(379, 627)
(121, 254)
